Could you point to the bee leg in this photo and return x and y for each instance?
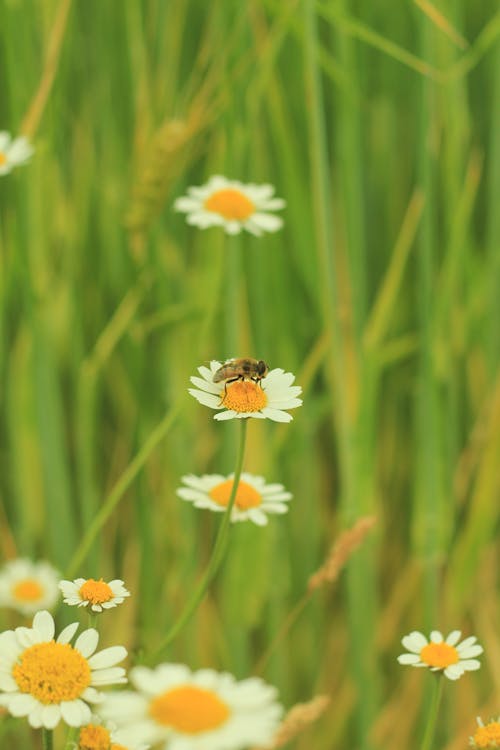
(231, 380)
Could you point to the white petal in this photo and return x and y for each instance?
(414, 642)
(44, 623)
(269, 222)
(453, 637)
(436, 636)
(222, 416)
(67, 634)
(408, 659)
(453, 672)
(75, 713)
(470, 665)
(276, 415)
(51, 716)
(467, 653)
(86, 643)
(466, 643)
(22, 704)
(108, 657)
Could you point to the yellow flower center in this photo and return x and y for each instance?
(244, 396)
(230, 203)
(246, 495)
(96, 592)
(3, 159)
(487, 736)
(439, 655)
(52, 672)
(94, 737)
(115, 746)
(28, 590)
(189, 709)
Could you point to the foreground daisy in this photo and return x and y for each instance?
(200, 710)
(486, 735)
(254, 498)
(232, 205)
(266, 399)
(48, 680)
(440, 654)
(100, 595)
(28, 586)
(97, 736)
(13, 153)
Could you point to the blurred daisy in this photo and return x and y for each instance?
(486, 735)
(254, 498)
(440, 654)
(28, 586)
(97, 736)
(244, 398)
(48, 680)
(99, 594)
(13, 153)
(200, 710)
(232, 205)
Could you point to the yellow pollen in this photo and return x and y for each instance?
(96, 592)
(28, 590)
(94, 737)
(246, 495)
(52, 672)
(189, 709)
(439, 655)
(3, 159)
(230, 203)
(244, 396)
(487, 736)
(115, 746)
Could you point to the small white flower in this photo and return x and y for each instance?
(48, 680)
(28, 586)
(266, 399)
(440, 654)
(486, 735)
(254, 498)
(13, 153)
(232, 205)
(200, 710)
(99, 594)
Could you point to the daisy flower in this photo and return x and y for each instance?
(486, 735)
(232, 205)
(201, 710)
(99, 594)
(254, 498)
(440, 654)
(28, 586)
(244, 398)
(13, 153)
(48, 680)
(97, 736)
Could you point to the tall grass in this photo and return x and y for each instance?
(379, 125)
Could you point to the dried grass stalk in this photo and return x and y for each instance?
(300, 717)
(340, 553)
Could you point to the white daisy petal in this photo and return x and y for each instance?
(108, 657)
(436, 636)
(408, 659)
(467, 653)
(414, 642)
(43, 622)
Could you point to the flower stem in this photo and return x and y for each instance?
(433, 713)
(92, 620)
(217, 553)
(47, 739)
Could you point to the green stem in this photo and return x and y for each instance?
(119, 490)
(433, 713)
(92, 619)
(47, 739)
(218, 550)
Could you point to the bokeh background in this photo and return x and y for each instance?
(379, 123)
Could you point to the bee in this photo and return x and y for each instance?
(241, 369)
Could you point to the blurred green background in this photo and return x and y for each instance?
(379, 123)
